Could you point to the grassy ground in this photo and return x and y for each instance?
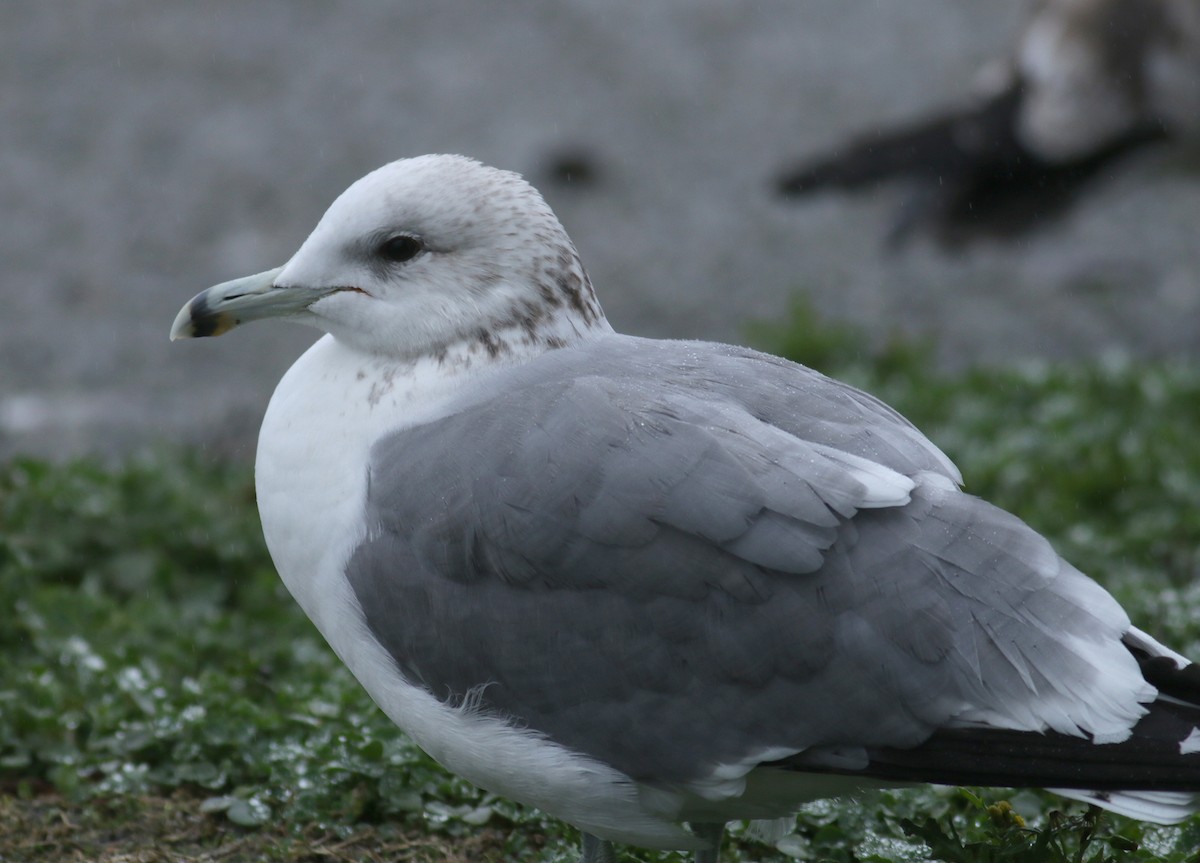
(162, 698)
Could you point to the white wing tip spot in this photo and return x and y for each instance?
(1191, 743)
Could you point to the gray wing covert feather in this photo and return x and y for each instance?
(588, 558)
(814, 407)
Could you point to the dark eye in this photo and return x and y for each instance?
(401, 248)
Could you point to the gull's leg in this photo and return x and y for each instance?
(597, 850)
(712, 833)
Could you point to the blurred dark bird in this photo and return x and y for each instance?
(1089, 82)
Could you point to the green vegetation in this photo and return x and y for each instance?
(156, 679)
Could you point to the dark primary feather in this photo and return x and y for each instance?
(1150, 759)
(665, 555)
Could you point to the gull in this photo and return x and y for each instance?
(1088, 83)
(648, 586)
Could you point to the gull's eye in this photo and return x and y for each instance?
(401, 248)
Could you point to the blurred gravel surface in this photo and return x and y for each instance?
(150, 149)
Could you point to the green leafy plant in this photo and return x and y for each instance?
(149, 652)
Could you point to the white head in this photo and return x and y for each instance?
(416, 256)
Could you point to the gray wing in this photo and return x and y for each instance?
(681, 555)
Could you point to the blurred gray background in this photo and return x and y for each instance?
(148, 150)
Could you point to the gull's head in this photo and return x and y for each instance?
(418, 255)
